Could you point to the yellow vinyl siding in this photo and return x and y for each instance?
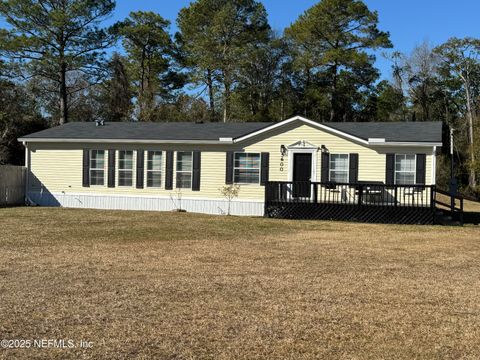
(58, 167)
(372, 160)
(55, 167)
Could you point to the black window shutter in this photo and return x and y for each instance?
(229, 168)
(111, 168)
(140, 168)
(421, 168)
(325, 167)
(197, 163)
(86, 168)
(353, 169)
(390, 169)
(265, 163)
(169, 171)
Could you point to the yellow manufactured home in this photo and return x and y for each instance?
(167, 166)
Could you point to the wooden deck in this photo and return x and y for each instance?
(363, 201)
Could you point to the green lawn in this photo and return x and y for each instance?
(174, 285)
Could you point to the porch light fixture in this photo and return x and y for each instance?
(283, 150)
(324, 149)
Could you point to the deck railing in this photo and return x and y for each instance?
(454, 205)
(362, 193)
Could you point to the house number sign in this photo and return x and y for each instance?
(282, 162)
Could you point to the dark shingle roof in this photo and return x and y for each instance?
(149, 131)
(390, 131)
(428, 131)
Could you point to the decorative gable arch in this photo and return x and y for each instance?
(303, 144)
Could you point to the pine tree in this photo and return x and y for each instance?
(116, 95)
(151, 61)
(55, 40)
(331, 42)
(214, 35)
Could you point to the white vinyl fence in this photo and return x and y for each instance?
(12, 185)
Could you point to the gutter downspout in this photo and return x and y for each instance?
(28, 201)
(27, 171)
(434, 165)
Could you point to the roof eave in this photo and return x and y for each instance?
(405, 143)
(126, 141)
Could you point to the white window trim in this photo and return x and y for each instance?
(183, 171)
(330, 168)
(117, 160)
(105, 164)
(414, 171)
(313, 175)
(259, 167)
(313, 151)
(162, 185)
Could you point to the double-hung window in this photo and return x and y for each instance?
(405, 169)
(184, 170)
(154, 169)
(246, 168)
(125, 168)
(339, 168)
(97, 167)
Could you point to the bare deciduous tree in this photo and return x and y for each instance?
(460, 59)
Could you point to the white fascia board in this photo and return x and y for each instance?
(396, 143)
(375, 140)
(221, 141)
(125, 141)
(306, 121)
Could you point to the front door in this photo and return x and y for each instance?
(302, 175)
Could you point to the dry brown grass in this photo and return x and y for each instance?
(472, 206)
(169, 285)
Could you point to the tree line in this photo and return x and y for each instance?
(226, 63)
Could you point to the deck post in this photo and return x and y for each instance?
(452, 199)
(360, 194)
(461, 211)
(265, 198)
(432, 197)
